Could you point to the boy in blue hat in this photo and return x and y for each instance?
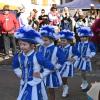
(71, 54)
(87, 51)
(53, 54)
(27, 66)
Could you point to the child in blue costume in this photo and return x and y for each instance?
(53, 54)
(87, 50)
(27, 66)
(72, 54)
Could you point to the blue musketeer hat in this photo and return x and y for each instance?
(67, 34)
(48, 31)
(28, 34)
(85, 31)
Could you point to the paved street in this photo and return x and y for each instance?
(9, 83)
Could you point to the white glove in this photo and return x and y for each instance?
(18, 72)
(57, 66)
(92, 54)
(45, 73)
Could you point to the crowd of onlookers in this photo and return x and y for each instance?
(60, 19)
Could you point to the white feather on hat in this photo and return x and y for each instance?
(48, 31)
(85, 31)
(28, 34)
(67, 34)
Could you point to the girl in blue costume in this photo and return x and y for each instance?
(53, 54)
(71, 54)
(27, 66)
(87, 50)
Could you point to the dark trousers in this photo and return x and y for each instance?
(1, 44)
(98, 47)
(9, 40)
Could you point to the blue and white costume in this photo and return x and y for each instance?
(25, 65)
(86, 49)
(70, 52)
(55, 55)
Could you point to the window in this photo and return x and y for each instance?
(34, 1)
(44, 2)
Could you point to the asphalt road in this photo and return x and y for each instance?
(9, 85)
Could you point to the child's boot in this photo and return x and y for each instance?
(65, 91)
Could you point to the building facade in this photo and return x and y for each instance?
(30, 3)
(45, 3)
(65, 1)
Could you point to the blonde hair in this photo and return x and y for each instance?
(65, 11)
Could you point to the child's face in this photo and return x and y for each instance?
(46, 41)
(64, 42)
(84, 39)
(25, 46)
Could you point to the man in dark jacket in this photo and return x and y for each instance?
(43, 18)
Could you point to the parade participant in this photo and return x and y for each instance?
(72, 54)
(27, 66)
(55, 55)
(87, 51)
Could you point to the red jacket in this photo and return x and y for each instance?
(8, 23)
(96, 30)
(0, 23)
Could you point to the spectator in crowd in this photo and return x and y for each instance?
(96, 30)
(94, 92)
(93, 10)
(32, 19)
(19, 11)
(43, 18)
(80, 22)
(67, 21)
(23, 17)
(92, 15)
(1, 37)
(54, 17)
(76, 15)
(9, 24)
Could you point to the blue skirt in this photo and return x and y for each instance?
(84, 65)
(31, 91)
(53, 80)
(67, 70)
